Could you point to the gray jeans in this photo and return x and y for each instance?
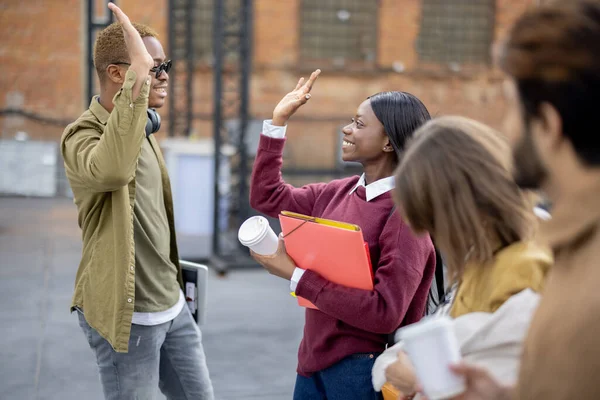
(169, 356)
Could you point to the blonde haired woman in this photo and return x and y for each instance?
(455, 183)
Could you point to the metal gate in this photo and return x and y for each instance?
(216, 35)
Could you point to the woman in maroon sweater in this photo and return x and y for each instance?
(343, 337)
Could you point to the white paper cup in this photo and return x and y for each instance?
(257, 234)
(432, 346)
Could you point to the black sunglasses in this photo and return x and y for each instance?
(165, 66)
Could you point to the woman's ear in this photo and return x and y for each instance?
(388, 148)
(116, 74)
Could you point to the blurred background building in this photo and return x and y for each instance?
(233, 61)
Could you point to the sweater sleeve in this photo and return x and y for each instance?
(269, 194)
(404, 258)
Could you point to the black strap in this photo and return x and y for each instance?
(439, 275)
(298, 227)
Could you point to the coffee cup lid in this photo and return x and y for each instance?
(253, 230)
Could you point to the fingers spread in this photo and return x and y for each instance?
(299, 85)
(313, 77)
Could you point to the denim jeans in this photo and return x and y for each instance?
(349, 379)
(168, 356)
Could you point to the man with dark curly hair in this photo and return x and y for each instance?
(552, 61)
(128, 289)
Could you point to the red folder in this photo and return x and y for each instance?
(335, 250)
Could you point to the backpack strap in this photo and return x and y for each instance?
(439, 275)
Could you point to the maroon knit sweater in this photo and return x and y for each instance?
(349, 320)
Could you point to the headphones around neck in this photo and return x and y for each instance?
(153, 122)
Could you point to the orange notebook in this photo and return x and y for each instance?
(336, 250)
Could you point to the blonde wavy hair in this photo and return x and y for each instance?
(455, 182)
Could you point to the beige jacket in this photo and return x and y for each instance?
(561, 358)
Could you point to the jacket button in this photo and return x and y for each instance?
(129, 300)
(132, 268)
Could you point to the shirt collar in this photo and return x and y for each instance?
(99, 111)
(376, 188)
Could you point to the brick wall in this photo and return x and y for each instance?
(42, 55)
(313, 132)
(42, 49)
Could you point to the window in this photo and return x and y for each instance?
(202, 27)
(456, 31)
(342, 32)
(203, 30)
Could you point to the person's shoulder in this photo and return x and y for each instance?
(343, 183)
(87, 121)
(525, 254)
(396, 230)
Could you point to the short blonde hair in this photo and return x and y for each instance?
(110, 48)
(455, 182)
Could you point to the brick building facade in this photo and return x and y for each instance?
(435, 49)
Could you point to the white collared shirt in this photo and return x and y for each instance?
(272, 131)
(373, 190)
(376, 188)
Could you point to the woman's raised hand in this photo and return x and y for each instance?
(292, 101)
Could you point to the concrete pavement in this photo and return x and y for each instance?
(251, 337)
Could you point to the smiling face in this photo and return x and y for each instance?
(365, 140)
(158, 91)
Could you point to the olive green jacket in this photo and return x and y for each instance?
(100, 152)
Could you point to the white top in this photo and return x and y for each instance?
(424, 327)
(493, 341)
(160, 317)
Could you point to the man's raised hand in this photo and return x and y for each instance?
(141, 60)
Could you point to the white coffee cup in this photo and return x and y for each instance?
(257, 234)
(432, 347)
